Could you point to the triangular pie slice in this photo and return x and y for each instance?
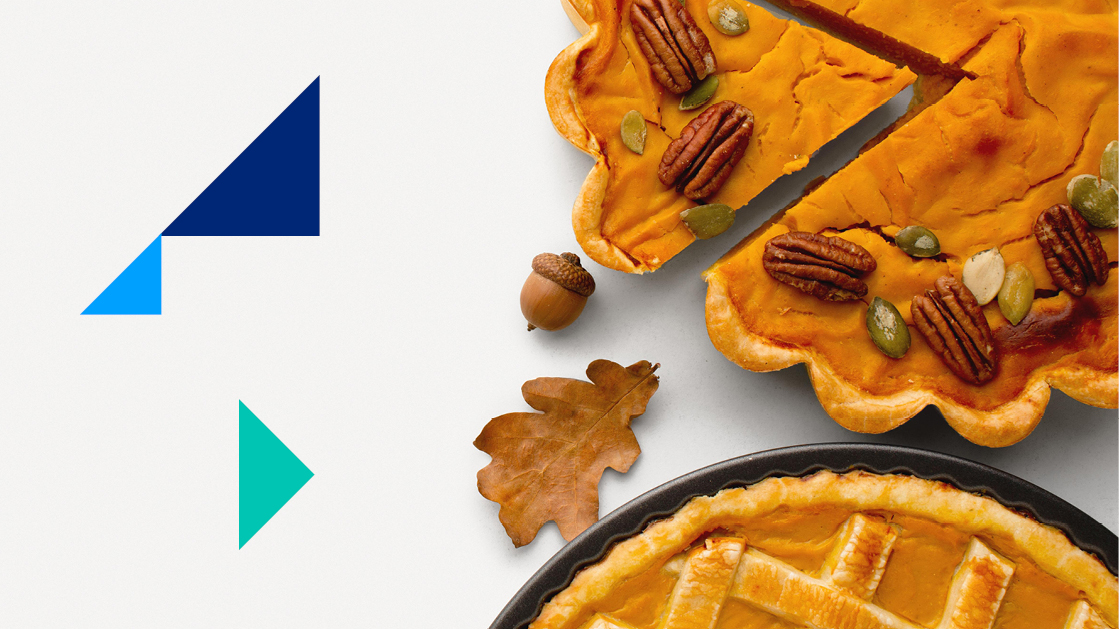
(803, 86)
(1026, 102)
(849, 551)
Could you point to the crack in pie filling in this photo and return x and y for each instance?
(1015, 98)
(803, 86)
(850, 551)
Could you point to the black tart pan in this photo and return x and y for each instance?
(632, 517)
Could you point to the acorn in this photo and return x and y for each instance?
(555, 292)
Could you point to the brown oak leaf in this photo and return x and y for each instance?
(546, 466)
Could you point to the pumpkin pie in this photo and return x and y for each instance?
(829, 551)
(1019, 97)
(801, 87)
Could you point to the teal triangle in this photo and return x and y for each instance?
(269, 474)
(138, 290)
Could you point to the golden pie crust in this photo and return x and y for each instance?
(841, 551)
(1016, 97)
(976, 166)
(803, 86)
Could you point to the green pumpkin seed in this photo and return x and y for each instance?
(887, 328)
(708, 221)
(1017, 293)
(983, 275)
(633, 131)
(700, 94)
(728, 17)
(1109, 163)
(1096, 200)
(918, 242)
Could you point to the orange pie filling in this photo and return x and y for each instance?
(803, 86)
(976, 167)
(1017, 97)
(786, 559)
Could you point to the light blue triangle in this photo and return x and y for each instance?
(269, 474)
(137, 290)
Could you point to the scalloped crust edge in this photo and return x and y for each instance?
(1047, 547)
(859, 411)
(559, 85)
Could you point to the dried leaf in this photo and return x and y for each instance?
(546, 466)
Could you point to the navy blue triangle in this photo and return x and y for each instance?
(272, 188)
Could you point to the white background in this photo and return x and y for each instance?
(376, 352)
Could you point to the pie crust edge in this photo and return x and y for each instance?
(559, 84)
(860, 411)
(858, 491)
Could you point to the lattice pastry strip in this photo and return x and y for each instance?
(699, 593)
(977, 589)
(840, 597)
(792, 595)
(1083, 616)
(858, 561)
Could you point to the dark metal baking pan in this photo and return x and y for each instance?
(635, 515)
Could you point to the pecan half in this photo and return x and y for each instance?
(952, 322)
(677, 50)
(825, 267)
(699, 162)
(1073, 253)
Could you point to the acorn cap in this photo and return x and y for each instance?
(566, 271)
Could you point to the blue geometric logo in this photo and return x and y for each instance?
(271, 189)
(268, 474)
(138, 289)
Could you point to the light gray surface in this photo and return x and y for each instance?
(376, 352)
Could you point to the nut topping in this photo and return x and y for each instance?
(918, 242)
(1016, 296)
(825, 267)
(699, 162)
(952, 322)
(983, 274)
(633, 131)
(728, 17)
(677, 51)
(1073, 253)
(699, 95)
(708, 221)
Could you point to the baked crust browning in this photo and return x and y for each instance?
(975, 167)
(1002, 545)
(802, 86)
(856, 409)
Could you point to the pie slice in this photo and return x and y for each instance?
(1026, 100)
(802, 86)
(830, 551)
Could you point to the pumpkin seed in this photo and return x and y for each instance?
(983, 275)
(700, 94)
(1096, 200)
(918, 241)
(887, 329)
(728, 17)
(1017, 293)
(708, 221)
(1109, 163)
(633, 131)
